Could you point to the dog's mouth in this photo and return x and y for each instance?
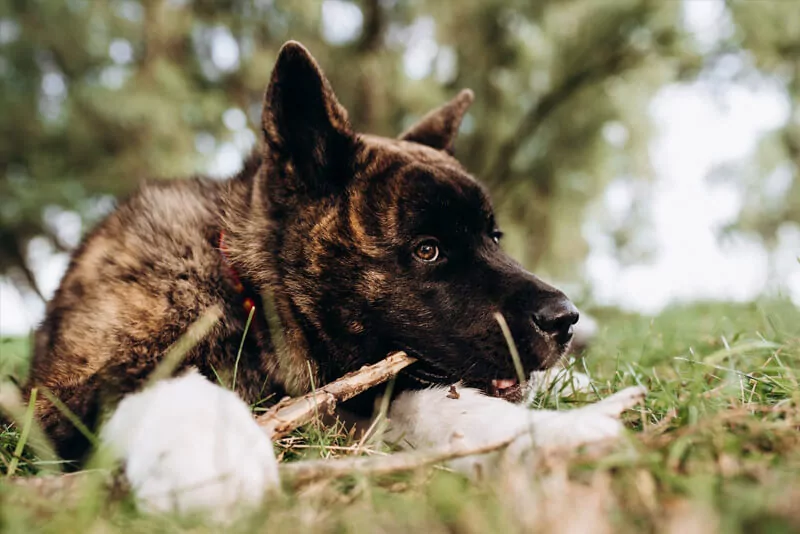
(425, 373)
(505, 388)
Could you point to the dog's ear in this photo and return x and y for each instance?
(305, 125)
(439, 128)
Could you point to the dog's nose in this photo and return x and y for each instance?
(557, 316)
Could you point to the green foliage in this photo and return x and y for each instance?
(96, 96)
(14, 357)
(765, 42)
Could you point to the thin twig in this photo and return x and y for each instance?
(290, 414)
(302, 473)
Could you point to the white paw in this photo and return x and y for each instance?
(595, 422)
(190, 446)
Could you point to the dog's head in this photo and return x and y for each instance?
(382, 244)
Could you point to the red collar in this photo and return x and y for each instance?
(248, 296)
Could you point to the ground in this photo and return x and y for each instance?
(716, 447)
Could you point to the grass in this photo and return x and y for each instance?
(715, 448)
(14, 356)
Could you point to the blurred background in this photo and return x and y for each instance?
(639, 152)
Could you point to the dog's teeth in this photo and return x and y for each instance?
(504, 383)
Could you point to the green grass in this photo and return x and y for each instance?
(14, 353)
(716, 447)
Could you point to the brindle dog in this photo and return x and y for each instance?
(365, 244)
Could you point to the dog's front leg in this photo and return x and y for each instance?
(190, 446)
(434, 418)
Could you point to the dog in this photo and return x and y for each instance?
(361, 245)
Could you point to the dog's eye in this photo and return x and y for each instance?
(427, 251)
(496, 235)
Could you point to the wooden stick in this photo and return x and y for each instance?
(304, 472)
(291, 413)
(300, 473)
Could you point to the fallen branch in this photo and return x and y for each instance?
(304, 472)
(294, 474)
(291, 413)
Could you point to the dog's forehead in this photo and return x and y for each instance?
(407, 163)
(381, 152)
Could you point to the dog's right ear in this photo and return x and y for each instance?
(305, 125)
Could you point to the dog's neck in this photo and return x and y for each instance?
(248, 264)
(248, 297)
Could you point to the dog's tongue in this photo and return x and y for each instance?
(501, 387)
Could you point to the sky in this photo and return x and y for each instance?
(698, 128)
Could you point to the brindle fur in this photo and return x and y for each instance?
(325, 221)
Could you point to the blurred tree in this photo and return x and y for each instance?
(96, 96)
(763, 45)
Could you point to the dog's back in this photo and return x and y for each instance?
(137, 281)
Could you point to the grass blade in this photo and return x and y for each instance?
(23, 438)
